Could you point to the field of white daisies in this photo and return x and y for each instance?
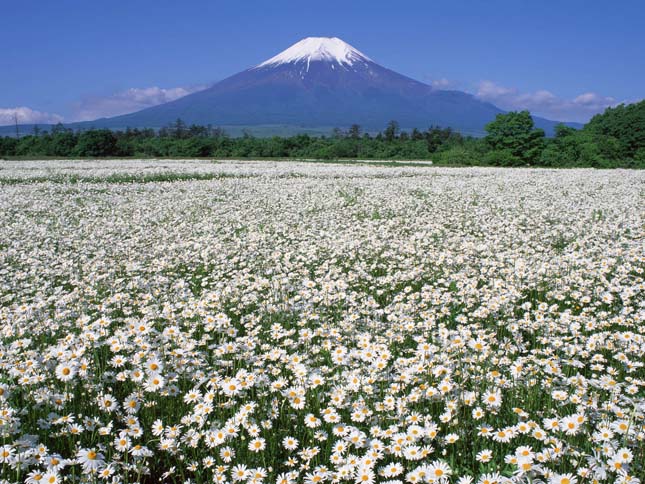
(262, 322)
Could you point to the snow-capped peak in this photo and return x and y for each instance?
(330, 49)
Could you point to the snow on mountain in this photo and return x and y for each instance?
(330, 49)
(341, 86)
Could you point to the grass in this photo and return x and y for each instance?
(118, 178)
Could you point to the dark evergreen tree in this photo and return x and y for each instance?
(354, 131)
(391, 131)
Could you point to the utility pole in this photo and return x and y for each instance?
(15, 118)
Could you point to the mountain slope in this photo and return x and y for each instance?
(317, 82)
(318, 93)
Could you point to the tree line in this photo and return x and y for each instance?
(615, 138)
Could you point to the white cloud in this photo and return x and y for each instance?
(545, 103)
(592, 99)
(128, 101)
(490, 90)
(444, 84)
(27, 115)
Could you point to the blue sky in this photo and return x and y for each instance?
(73, 60)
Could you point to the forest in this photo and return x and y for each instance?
(613, 139)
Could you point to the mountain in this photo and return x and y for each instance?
(319, 82)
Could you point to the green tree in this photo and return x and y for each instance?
(514, 133)
(391, 131)
(457, 155)
(571, 147)
(96, 142)
(354, 131)
(620, 130)
(62, 143)
(59, 128)
(337, 133)
(217, 132)
(178, 129)
(8, 146)
(31, 146)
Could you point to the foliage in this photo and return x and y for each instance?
(178, 140)
(459, 155)
(571, 147)
(514, 139)
(502, 157)
(100, 142)
(621, 130)
(613, 139)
